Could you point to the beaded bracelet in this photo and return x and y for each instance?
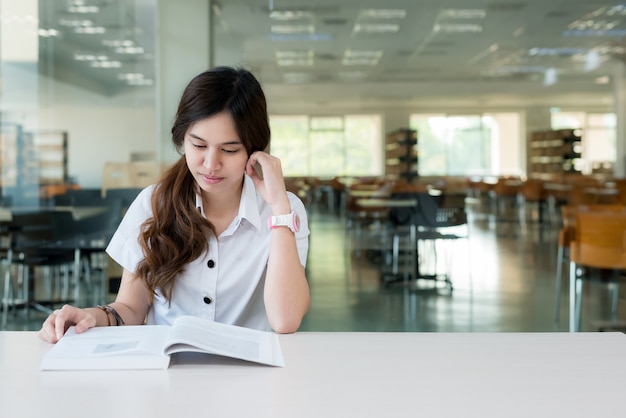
(110, 310)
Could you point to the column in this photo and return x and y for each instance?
(182, 54)
(619, 82)
(537, 119)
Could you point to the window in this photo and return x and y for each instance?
(468, 144)
(328, 146)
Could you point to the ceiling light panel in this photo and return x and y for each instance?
(462, 14)
(376, 28)
(457, 28)
(291, 15)
(292, 29)
(295, 58)
(381, 14)
(605, 21)
(378, 21)
(362, 57)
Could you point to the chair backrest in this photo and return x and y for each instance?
(127, 195)
(402, 216)
(30, 229)
(431, 215)
(600, 239)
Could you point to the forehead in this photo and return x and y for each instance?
(220, 127)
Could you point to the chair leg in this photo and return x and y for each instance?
(614, 299)
(395, 251)
(559, 280)
(579, 298)
(572, 296)
(6, 296)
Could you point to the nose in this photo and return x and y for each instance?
(212, 159)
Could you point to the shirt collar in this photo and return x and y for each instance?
(248, 207)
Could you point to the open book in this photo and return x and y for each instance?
(150, 346)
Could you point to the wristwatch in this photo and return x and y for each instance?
(290, 220)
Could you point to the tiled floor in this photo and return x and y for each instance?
(503, 276)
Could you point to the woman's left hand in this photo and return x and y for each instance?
(272, 185)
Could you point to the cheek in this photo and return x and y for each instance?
(193, 159)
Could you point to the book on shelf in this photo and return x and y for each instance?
(151, 346)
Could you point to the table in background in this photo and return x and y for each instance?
(78, 212)
(340, 374)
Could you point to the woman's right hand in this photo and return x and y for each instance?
(60, 320)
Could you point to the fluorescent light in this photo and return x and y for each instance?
(294, 58)
(301, 37)
(457, 28)
(130, 50)
(83, 9)
(90, 57)
(550, 77)
(592, 60)
(290, 15)
(554, 51)
(292, 29)
(376, 28)
(106, 64)
(48, 33)
(76, 22)
(382, 14)
(362, 57)
(462, 14)
(90, 30)
(135, 79)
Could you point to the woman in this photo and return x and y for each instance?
(218, 236)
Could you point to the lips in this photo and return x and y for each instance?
(211, 179)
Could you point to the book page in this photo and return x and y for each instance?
(126, 347)
(196, 334)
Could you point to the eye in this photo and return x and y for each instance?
(230, 150)
(199, 146)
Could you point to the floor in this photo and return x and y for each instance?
(503, 277)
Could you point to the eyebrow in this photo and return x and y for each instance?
(234, 142)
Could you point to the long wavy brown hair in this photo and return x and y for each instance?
(177, 233)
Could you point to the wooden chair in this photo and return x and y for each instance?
(599, 246)
(532, 192)
(565, 238)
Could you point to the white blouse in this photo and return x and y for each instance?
(225, 284)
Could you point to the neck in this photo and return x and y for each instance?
(219, 204)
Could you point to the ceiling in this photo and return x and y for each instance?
(322, 52)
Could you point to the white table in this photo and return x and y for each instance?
(340, 375)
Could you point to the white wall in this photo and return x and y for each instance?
(100, 128)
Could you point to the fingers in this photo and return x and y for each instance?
(47, 332)
(60, 320)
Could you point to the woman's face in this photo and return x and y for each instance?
(215, 155)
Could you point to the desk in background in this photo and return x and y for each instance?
(340, 374)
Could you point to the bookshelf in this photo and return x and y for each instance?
(401, 157)
(30, 160)
(555, 152)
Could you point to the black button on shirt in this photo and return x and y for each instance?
(210, 264)
(207, 300)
